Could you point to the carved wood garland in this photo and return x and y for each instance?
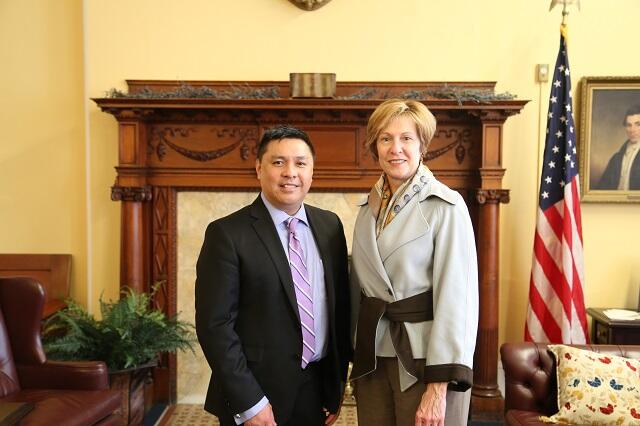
(170, 145)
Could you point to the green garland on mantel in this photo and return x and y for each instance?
(445, 92)
(186, 91)
(458, 93)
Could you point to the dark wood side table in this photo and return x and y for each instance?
(605, 330)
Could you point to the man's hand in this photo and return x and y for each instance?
(433, 405)
(263, 418)
(331, 417)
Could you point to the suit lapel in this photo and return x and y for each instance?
(407, 226)
(267, 233)
(365, 237)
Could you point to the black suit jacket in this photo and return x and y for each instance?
(611, 176)
(247, 318)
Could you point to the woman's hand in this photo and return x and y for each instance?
(433, 405)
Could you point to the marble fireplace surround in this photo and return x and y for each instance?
(195, 211)
(170, 149)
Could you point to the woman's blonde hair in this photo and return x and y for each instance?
(392, 108)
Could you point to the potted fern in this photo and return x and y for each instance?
(129, 337)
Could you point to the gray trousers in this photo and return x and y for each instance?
(381, 403)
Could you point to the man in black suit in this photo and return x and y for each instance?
(623, 168)
(248, 314)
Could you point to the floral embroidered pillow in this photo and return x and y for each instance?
(596, 389)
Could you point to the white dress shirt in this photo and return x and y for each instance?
(627, 161)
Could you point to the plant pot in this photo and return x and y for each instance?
(131, 383)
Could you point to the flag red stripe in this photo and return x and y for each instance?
(572, 237)
(555, 221)
(575, 195)
(578, 302)
(554, 275)
(527, 335)
(545, 317)
(567, 231)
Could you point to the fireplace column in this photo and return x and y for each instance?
(133, 235)
(135, 196)
(487, 401)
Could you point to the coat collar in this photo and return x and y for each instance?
(433, 188)
(407, 226)
(364, 241)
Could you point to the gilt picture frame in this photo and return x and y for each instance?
(604, 136)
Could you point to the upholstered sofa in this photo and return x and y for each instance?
(61, 393)
(530, 379)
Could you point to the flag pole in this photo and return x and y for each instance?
(556, 312)
(563, 25)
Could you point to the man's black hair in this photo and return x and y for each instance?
(631, 111)
(283, 132)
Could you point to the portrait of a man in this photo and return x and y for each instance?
(610, 139)
(623, 169)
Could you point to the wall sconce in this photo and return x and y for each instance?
(309, 4)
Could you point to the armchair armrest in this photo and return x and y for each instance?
(80, 375)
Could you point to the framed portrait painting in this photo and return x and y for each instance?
(610, 139)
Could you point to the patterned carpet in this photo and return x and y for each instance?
(194, 415)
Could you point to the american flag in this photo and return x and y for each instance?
(556, 310)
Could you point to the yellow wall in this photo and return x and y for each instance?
(42, 155)
(417, 40)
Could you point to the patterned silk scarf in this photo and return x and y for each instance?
(385, 206)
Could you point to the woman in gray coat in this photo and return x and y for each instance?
(414, 282)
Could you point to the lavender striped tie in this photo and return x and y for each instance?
(304, 295)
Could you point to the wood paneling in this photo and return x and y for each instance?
(53, 271)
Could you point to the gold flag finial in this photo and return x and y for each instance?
(564, 4)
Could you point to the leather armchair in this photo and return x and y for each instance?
(530, 379)
(63, 393)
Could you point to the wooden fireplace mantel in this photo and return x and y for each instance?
(166, 145)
